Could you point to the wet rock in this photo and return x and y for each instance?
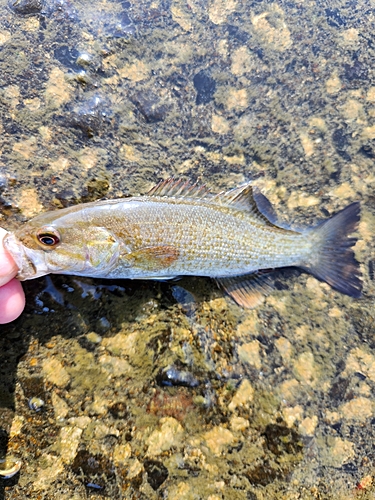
(355, 73)
(172, 376)
(263, 474)
(90, 116)
(67, 56)
(96, 469)
(205, 86)
(84, 59)
(367, 150)
(340, 140)
(3, 182)
(119, 410)
(371, 270)
(149, 105)
(124, 27)
(338, 390)
(334, 18)
(61, 10)
(156, 473)
(26, 7)
(168, 436)
(279, 439)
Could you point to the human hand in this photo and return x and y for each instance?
(12, 298)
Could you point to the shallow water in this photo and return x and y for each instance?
(169, 390)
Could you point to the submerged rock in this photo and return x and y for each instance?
(26, 7)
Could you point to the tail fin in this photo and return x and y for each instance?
(333, 260)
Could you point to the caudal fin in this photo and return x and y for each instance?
(333, 260)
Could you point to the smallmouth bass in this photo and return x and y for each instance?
(181, 229)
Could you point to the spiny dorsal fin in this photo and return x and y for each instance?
(180, 188)
(246, 197)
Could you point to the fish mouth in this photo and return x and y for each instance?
(31, 263)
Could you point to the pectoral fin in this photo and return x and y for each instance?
(154, 258)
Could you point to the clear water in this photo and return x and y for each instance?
(169, 390)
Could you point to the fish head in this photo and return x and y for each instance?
(62, 244)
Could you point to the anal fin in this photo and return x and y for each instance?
(247, 291)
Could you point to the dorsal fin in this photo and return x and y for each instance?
(243, 198)
(247, 198)
(180, 188)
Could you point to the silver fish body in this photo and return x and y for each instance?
(180, 229)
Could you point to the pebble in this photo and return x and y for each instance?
(238, 423)
(243, 396)
(121, 454)
(291, 414)
(55, 373)
(242, 61)
(308, 425)
(305, 369)
(218, 438)
(275, 35)
(219, 10)
(69, 440)
(49, 468)
(358, 409)
(60, 407)
(170, 435)
(250, 353)
(336, 452)
(57, 92)
(26, 7)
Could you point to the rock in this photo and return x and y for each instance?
(157, 473)
(55, 373)
(205, 86)
(220, 10)
(121, 454)
(172, 376)
(169, 435)
(336, 452)
(218, 438)
(67, 56)
(358, 409)
(149, 105)
(60, 407)
(244, 395)
(90, 115)
(93, 466)
(69, 440)
(26, 7)
(249, 353)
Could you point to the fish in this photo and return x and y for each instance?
(183, 229)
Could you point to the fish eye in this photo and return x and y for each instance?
(48, 237)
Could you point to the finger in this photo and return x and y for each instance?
(8, 268)
(12, 300)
